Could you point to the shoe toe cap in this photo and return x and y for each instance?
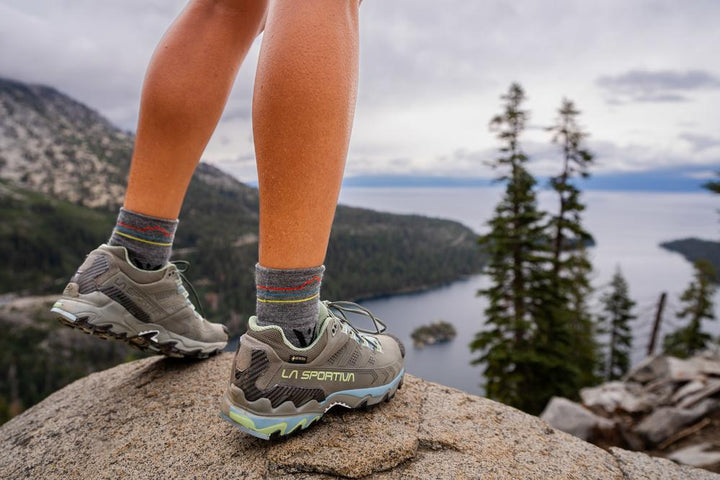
(391, 342)
(216, 332)
(401, 346)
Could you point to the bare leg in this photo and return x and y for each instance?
(185, 90)
(303, 108)
(302, 115)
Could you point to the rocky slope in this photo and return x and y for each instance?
(666, 405)
(157, 418)
(52, 144)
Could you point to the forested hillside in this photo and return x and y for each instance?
(696, 249)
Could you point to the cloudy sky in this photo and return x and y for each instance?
(645, 73)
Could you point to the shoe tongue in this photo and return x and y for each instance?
(323, 313)
(323, 316)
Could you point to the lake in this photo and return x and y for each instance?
(628, 228)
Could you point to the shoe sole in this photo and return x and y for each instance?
(271, 427)
(121, 325)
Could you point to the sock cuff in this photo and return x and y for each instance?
(145, 229)
(147, 239)
(294, 285)
(259, 269)
(125, 211)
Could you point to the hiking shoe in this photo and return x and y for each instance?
(149, 309)
(276, 388)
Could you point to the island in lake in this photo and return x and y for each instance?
(438, 332)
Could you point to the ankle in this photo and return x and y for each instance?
(147, 239)
(288, 298)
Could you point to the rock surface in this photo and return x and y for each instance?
(665, 421)
(660, 366)
(611, 396)
(696, 455)
(664, 405)
(158, 418)
(638, 466)
(573, 418)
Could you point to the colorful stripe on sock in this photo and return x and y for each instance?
(154, 235)
(294, 300)
(309, 290)
(151, 228)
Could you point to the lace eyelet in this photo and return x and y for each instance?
(348, 329)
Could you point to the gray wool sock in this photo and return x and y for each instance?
(289, 299)
(148, 239)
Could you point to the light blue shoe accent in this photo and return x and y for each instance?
(68, 316)
(264, 426)
(372, 391)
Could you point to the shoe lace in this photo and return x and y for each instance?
(183, 266)
(342, 307)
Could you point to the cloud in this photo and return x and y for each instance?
(94, 51)
(611, 157)
(546, 160)
(656, 86)
(700, 143)
(430, 78)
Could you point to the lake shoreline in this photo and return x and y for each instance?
(414, 290)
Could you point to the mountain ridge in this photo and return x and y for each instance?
(693, 249)
(51, 144)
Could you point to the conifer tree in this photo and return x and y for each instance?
(571, 268)
(617, 314)
(567, 224)
(514, 245)
(697, 301)
(585, 350)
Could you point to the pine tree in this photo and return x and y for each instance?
(585, 350)
(571, 268)
(567, 224)
(514, 245)
(697, 302)
(617, 314)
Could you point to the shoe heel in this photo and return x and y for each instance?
(265, 427)
(64, 316)
(268, 428)
(80, 315)
(74, 312)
